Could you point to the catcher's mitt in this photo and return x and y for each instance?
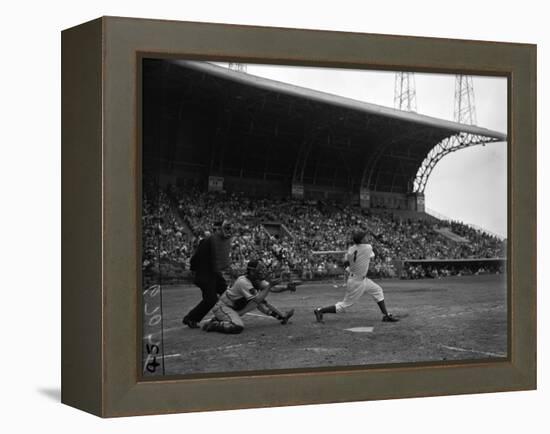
(291, 286)
(274, 282)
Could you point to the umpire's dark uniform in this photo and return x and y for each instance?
(208, 261)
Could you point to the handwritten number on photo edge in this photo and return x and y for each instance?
(151, 347)
(152, 365)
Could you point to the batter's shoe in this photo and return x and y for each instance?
(287, 316)
(190, 323)
(389, 318)
(318, 315)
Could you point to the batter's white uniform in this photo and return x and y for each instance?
(359, 256)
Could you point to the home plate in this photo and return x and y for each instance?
(361, 329)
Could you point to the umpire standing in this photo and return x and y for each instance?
(208, 262)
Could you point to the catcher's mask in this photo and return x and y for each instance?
(256, 270)
(226, 229)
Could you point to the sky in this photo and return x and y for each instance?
(469, 185)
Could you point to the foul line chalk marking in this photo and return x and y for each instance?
(464, 350)
(454, 315)
(171, 329)
(167, 356)
(361, 329)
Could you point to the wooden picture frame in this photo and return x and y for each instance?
(100, 215)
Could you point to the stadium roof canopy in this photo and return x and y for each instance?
(236, 124)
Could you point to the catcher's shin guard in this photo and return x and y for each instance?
(271, 310)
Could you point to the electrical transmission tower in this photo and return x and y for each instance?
(464, 113)
(240, 67)
(404, 97)
(465, 107)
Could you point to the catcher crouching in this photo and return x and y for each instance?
(247, 293)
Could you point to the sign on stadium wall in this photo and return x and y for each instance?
(420, 202)
(215, 183)
(416, 202)
(297, 191)
(364, 198)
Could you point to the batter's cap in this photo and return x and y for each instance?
(358, 236)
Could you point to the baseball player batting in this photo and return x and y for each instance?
(358, 259)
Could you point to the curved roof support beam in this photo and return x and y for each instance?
(300, 155)
(307, 151)
(445, 147)
(310, 136)
(372, 163)
(219, 141)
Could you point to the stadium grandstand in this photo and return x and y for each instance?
(296, 170)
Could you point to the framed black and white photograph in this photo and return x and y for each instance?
(258, 217)
(374, 202)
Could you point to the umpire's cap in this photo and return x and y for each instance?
(358, 236)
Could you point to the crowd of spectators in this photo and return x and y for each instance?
(175, 220)
(430, 271)
(165, 240)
